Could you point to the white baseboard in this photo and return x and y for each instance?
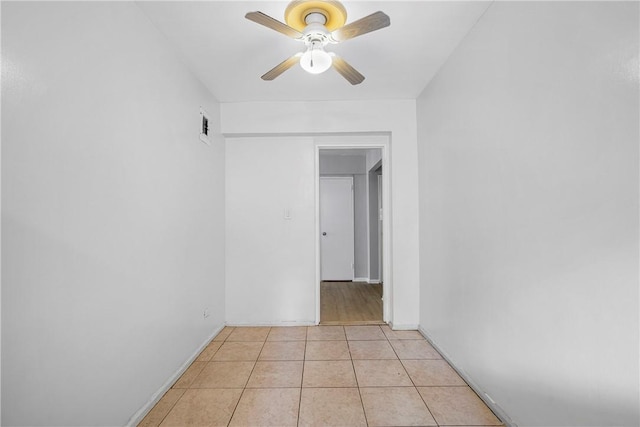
(373, 281)
(142, 412)
(403, 327)
(361, 279)
(500, 413)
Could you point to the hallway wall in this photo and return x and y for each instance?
(528, 160)
(112, 213)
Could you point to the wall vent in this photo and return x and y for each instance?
(204, 127)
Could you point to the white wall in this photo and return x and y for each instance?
(528, 151)
(344, 117)
(373, 157)
(331, 164)
(270, 260)
(374, 228)
(360, 212)
(112, 214)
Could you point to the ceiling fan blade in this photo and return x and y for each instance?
(281, 67)
(373, 22)
(274, 24)
(347, 71)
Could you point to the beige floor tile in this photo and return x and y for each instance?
(276, 374)
(209, 351)
(267, 407)
(282, 350)
(371, 350)
(414, 349)
(331, 407)
(333, 373)
(236, 351)
(395, 406)
(189, 375)
(381, 373)
(224, 375)
(432, 373)
(224, 333)
(325, 333)
(401, 335)
(162, 408)
(327, 350)
(205, 407)
(361, 333)
(288, 333)
(457, 406)
(249, 334)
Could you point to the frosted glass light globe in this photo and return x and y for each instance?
(315, 61)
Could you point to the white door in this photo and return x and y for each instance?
(336, 228)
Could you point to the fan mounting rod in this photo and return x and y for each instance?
(315, 18)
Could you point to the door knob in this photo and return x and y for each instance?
(324, 233)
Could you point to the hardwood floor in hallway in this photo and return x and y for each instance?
(343, 303)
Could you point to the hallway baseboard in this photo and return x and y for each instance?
(144, 410)
(497, 410)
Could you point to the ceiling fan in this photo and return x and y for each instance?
(317, 23)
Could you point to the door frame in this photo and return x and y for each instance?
(380, 229)
(376, 140)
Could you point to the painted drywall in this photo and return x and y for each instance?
(354, 166)
(528, 154)
(374, 168)
(361, 242)
(374, 230)
(270, 260)
(396, 117)
(112, 214)
(373, 157)
(331, 164)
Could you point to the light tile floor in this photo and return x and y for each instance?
(319, 376)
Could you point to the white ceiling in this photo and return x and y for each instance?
(229, 53)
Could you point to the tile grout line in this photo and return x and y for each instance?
(185, 390)
(414, 384)
(248, 378)
(304, 361)
(356, 377)
(172, 406)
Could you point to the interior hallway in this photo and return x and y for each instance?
(319, 375)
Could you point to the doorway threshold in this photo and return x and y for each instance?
(351, 323)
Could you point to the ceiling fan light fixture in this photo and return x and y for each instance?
(315, 60)
(317, 23)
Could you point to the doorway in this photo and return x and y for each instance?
(350, 196)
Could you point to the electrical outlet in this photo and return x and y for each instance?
(206, 313)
